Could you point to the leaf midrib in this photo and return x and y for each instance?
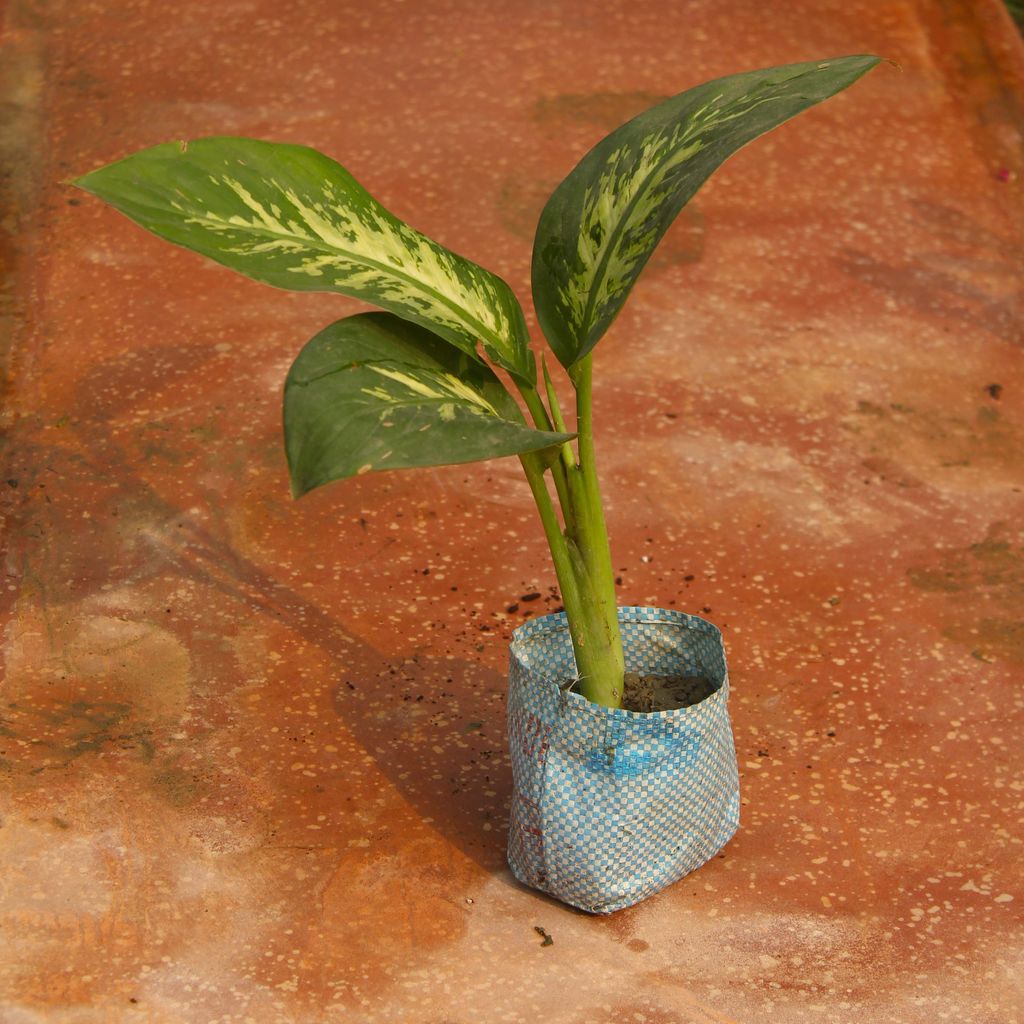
(588, 310)
(422, 400)
(460, 403)
(356, 363)
(321, 246)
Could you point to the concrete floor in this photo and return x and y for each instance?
(254, 766)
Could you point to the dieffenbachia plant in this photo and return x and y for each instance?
(410, 386)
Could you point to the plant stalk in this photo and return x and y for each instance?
(580, 552)
(599, 671)
(565, 454)
(588, 534)
(543, 421)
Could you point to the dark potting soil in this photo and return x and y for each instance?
(664, 693)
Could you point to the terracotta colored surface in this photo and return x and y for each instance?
(253, 752)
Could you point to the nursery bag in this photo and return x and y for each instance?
(610, 806)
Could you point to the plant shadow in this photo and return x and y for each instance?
(433, 725)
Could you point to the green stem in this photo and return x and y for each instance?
(589, 534)
(595, 663)
(580, 552)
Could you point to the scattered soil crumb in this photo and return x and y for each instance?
(664, 693)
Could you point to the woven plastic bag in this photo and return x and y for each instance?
(611, 806)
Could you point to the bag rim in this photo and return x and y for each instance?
(557, 622)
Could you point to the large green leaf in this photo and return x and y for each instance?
(603, 222)
(376, 392)
(291, 217)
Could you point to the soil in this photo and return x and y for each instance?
(664, 693)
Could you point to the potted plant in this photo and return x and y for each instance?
(616, 795)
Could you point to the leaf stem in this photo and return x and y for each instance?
(544, 421)
(600, 674)
(568, 585)
(565, 452)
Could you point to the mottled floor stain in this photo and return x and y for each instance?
(909, 444)
(78, 684)
(602, 110)
(987, 579)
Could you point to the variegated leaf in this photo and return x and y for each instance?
(603, 222)
(291, 217)
(375, 392)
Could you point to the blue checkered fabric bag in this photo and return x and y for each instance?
(611, 806)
